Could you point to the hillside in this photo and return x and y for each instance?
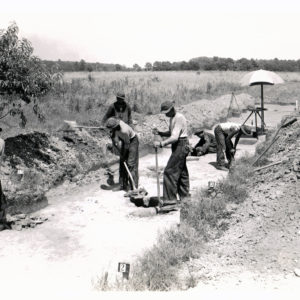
(260, 249)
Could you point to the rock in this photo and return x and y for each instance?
(16, 227)
(20, 216)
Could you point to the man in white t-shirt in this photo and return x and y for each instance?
(176, 175)
(126, 141)
(224, 132)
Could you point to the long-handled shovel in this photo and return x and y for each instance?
(157, 178)
(130, 176)
(73, 124)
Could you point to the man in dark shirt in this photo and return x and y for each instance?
(206, 144)
(120, 110)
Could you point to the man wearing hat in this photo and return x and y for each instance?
(176, 175)
(206, 144)
(120, 109)
(3, 204)
(224, 132)
(128, 150)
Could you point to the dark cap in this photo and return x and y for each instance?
(166, 106)
(112, 123)
(120, 96)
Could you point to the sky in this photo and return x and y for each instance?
(132, 31)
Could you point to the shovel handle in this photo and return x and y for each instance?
(130, 176)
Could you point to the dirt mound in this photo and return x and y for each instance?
(261, 244)
(35, 162)
(27, 148)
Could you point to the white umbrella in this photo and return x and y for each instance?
(261, 77)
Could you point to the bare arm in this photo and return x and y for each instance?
(238, 134)
(206, 143)
(173, 138)
(165, 133)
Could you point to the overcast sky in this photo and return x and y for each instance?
(132, 31)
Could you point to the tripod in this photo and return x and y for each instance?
(256, 113)
(233, 98)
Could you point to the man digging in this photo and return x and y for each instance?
(3, 204)
(206, 144)
(224, 132)
(121, 110)
(126, 142)
(176, 176)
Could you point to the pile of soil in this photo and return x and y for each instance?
(35, 162)
(261, 245)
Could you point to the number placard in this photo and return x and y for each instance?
(123, 267)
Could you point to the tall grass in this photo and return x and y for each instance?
(85, 96)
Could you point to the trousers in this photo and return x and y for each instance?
(223, 145)
(176, 175)
(130, 155)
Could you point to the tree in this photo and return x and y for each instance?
(82, 65)
(22, 76)
(137, 68)
(148, 66)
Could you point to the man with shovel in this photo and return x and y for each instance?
(176, 175)
(3, 204)
(120, 109)
(126, 141)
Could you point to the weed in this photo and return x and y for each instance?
(203, 217)
(233, 187)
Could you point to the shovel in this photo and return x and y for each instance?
(73, 124)
(157, 177)
(130, 176)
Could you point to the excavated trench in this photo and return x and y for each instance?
(89, 230)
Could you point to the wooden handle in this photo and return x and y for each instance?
(157, 177)
(130, 176)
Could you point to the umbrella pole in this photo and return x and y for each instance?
(262, 108)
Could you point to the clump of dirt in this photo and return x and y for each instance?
(27, 148)
(35, 162)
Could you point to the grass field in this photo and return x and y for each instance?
(84, 96)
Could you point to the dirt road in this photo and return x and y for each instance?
(89, 230)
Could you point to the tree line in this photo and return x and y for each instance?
(195, 64)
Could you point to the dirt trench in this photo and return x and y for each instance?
(89, 230)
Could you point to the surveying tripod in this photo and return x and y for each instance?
(255, 111)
